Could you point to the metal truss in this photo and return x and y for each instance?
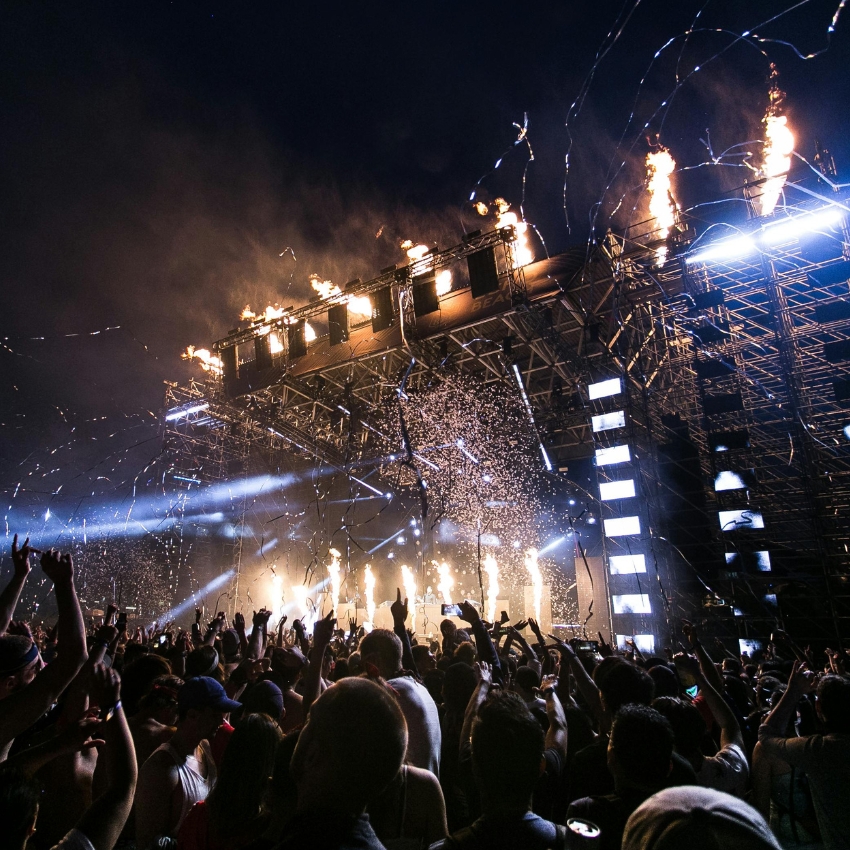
(686, 339)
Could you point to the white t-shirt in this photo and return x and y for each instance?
(424, 737)
(74, 840)
(727, 771)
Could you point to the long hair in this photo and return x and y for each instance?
(236, 800)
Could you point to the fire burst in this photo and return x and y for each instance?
(492, 570)
(446, 582)
(536, 581)
(662, 207)
(209, 362)
(408, 581)
(505, 218)
(335, 577)
(778, 146)
(369, 589)
(357, 304)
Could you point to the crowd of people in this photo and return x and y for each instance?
(220, 739)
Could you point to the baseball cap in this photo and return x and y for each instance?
(264, 697)
(695, 817)
(203, 692)
(230, 645)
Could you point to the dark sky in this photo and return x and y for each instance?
(156, 159)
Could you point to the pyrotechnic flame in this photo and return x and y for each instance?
(335, 577)
(506, 218)
(277, 581)
(209, 362)
(481, 208)
(301, 593)
(275, 343)
(414, 252)
(248, 315)
(358, 304)
(369, 588)
(492, 570)
(536, 581)
(444, 282)
(309, 332)
(778, 147)
(408, 581)
(446, 582)
(662, 207)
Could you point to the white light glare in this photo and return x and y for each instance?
(607, 421)
(728, 480)
(626, 565)
(186, 411)
(610, 490)
(613, 455)
(645, 643)
(773, 234)
(603, 389)
(631, 603)
(726, 249)
(622, 526)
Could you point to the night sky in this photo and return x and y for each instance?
(158, 158)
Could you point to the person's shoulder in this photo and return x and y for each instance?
(421, 776)
(74, 840)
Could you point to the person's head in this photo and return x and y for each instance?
(736, 690)
(355, 664)
(382, 649)
(137, 678)
(18, 807)
(640, 748)
(160, 702)
(433, 681)
(621, 684)
(526, 680)
(768, 690)
(340, 669)
(665, 680)
(699, 819)
(287, 663)
(833, 703)
(263, 698)
(204, 661)
(351, 747)
(732, 666)
(202, 704)
(465, 654)
(237, 796)
(688, 725)
(230, 646)
(424, 658)
(20, 662)
(459, 683)
(507, 752)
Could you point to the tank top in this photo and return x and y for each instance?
(193, 786)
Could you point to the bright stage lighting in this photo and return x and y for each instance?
(185, 411)
(602, 389)
(613, 455)
(626, 565)
(622, 526)
(631, 603)
(609, 490)
(782, 231)
(607, 421)
(645, 643)
(733, 520)
(725, 249)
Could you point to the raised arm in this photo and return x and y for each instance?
(483, 642)
(773, 729)
(261, 624)
(480, 693)
(730, 730)
(11, 593)
(709, 671)
(399, 611)
(322, 634)
(586, 686)
(556, 735)
(22, 708)
(105, 817)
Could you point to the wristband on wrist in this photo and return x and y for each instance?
(107, 713)
(103, 643)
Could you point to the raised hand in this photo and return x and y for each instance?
(78, 736)
(105, 686)
(20, 627)
(518, 626)
(535, 627)
(21, 557)
(399, 609)
(484, 672)
(690, 632)
(469, 613)
(111, 611)
(563, 647)
(802, 680)
(687, 664)
(298, 627)
(239, 622)
(106, 634)
(323, 630)
(57, 567)
(198, 615)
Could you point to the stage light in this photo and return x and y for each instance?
(728, 480)
(417, 533)
(770, 599)
(773, 234)
(847, 431)
(516, 544)
(613, 455)
(603, 389)
(488, 478)
(763, 561)
(186, 411)
(733, 520)
(622, 526)
(573, 501)
(610, 490)
(626, 565)
(631, 603)
(726, 249)
(400, 540)
(607, 421)
(591, 520)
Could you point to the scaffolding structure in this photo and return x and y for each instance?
(731, 372)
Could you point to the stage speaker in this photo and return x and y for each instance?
(483, 274)
(296, 339)
(229, 364)
(591, 587)
(338, 323)
(263, 352)
(382, 309)
(425, 294)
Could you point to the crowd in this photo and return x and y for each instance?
(221, 739)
